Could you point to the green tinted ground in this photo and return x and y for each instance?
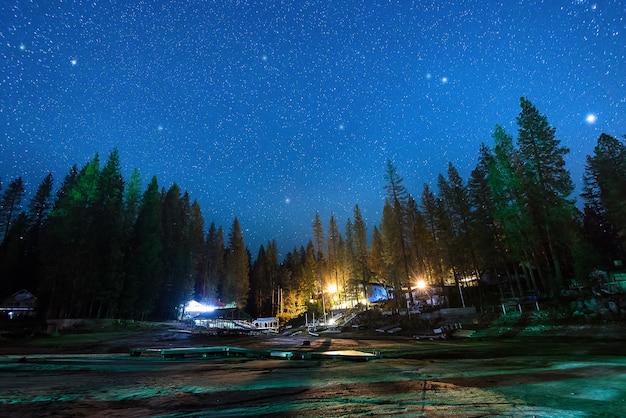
(564, 377)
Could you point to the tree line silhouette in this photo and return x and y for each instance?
(103, 247)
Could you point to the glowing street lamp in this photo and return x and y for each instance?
(332, 288)
(421, 285)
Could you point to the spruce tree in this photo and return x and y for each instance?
(397, 198)
(213, 290)
(41, 203)
(259, 297)
(108, 236)
(458, 206)
(55, 250)
(604, 192)
(132, 200)
(318, 238)
(433, 238)
(333, 243)
(608, 167)
(392, 253)
(510, 211)
(38, 209)
(175, 255)
(142, 287)
(237, 268)
(415, 237)
(361, 249)
(199, 254)
(547, 186)
(10, 205)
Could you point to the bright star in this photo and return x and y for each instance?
(591, 118)
(73, 61)
(287, 200)
(444, 80)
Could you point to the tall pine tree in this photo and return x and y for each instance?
(547, 187)
(237, 268)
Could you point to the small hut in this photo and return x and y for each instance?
(270, 324)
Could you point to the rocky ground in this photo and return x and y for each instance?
(500, 371)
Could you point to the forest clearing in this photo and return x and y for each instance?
(566, 375)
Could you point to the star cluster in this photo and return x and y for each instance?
(271, 111)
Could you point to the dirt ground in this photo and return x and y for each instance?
(543, 376)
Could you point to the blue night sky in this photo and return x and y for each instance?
(273, 110)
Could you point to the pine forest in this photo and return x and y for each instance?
(102, 246)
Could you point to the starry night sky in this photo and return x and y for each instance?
(271, 111)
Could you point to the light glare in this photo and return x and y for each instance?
(193, 306)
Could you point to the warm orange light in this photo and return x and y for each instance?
(421, 284)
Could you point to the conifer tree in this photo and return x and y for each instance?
(275, 276)
(108, 236)
(433, 245)
(259, 297)
(481, 202)
(132, 200)
(175, 255)
(41, 203)
(457, 205)
(318, 237)
(142, 287)
(53, 250)
(547, 186)
(510, 211)
(38, 210)
(361, 250)
(310, 284)
(353, 268)
(377, 257)
(332, 248)
(397, 197)
(83, 271)
(237, 268)
(606, 168)
(320, 259)
(13, 257)
(392, 252)
(416, 240)
(199, 254)
(10, 205)
(213, 290)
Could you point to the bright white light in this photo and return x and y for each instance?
(73, 61)
(332, 288)
(287, 200)
(591, 118)
(193, 306)
(444, 80)
(421, 284)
